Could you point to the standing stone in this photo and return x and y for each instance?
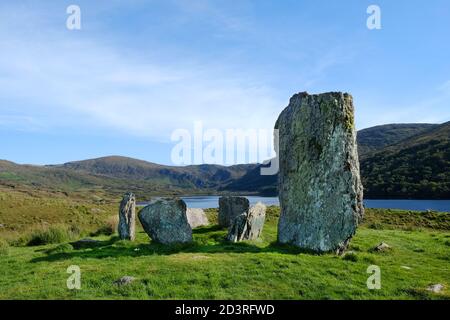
(165, 221)
(248, 226)
(230, 208)
(319, 183)
(127, 217)
(196, 217)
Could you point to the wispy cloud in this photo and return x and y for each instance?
(74, 81)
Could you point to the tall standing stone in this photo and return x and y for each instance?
(165, 221)
(230, 208)
(319, 183)
(127, 217)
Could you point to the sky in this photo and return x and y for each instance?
(138, 70)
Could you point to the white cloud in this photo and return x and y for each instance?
(76, 82)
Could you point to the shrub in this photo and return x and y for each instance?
(4, 248)
(376, 226)
(48, 235)
(350, 256)
(109, 228)
(370, 259)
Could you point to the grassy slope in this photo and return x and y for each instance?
(211, 268)
(21, 211)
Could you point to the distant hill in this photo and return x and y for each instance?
(417, 167)
(376, 138)
(115, 175)
(397, 161)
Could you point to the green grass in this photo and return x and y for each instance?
(24, 211)
(211, 268)
(50, 235)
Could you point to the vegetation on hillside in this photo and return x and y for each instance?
(418, 167)
(376, 138)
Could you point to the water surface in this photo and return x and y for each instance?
(204, 202)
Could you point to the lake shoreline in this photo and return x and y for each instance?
(211, 201)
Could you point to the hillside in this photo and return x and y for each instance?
(397, 161)
(376, 138)
(417, 167)
(115, 175)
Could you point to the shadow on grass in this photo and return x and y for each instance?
(212, 244)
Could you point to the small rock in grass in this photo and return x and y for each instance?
(382, 247)
(436, 288)
(406, 267)
(125, 280)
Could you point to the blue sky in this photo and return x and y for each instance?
(138, 70)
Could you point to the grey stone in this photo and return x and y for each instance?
(319, 182)
(127, 217)
(125, 280)
(196, 217)
(382, 247)
(406, 267)
(436, 288)
(165, 221)
(248, 226)
(230, 208)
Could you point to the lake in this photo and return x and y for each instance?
(420, 205)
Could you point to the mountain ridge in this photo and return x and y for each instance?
(381, 148)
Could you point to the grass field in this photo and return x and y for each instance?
(211, 268)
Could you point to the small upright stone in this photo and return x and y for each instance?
(248, 226)
(230, 208)
(127, 217)
(165, 221)
(196, 217)
(319, 182)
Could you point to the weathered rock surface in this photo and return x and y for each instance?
(127, 217)
(196, 217)
(248, 226)
(382, 247)
(230, 208)
(319, 183)
(125, 280)
(436, 288)
(165, 221)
